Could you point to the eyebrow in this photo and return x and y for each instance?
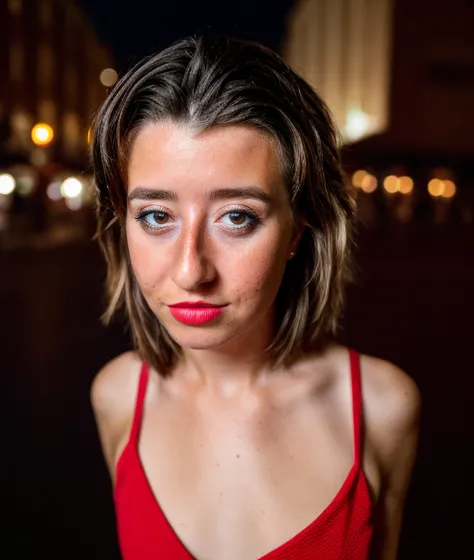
(144, 193)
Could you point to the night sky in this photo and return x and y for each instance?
(134, 29)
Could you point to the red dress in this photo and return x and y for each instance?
(343, 531)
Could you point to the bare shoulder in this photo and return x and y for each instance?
(390, 392)
(113, 394)
(115, 384)
(392, 406)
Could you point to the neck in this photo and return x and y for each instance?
(242, 363)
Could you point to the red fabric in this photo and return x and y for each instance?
(342, 532)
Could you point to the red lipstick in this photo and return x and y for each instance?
(195, 312)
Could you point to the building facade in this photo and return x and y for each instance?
(403, 69)
(343, 48)
(51, 61)
(398, 76)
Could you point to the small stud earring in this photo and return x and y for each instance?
(292, 254)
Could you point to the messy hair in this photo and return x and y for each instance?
(206, 82)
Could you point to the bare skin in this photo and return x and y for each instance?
(225, 440)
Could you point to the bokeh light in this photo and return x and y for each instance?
(54, 190)
(358, 177)
(71, 187)
(369, 183)
(7, 183)
(436, 187)
(406, 185)
(357, 123)
(391, 184)
(108, 77)
(42, 134)
(449, 189)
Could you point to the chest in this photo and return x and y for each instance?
(237, 484)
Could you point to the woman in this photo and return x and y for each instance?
(236, 431)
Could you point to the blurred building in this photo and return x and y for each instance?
(398, 76)
(51, 62)
(400, 68)
(343, 48)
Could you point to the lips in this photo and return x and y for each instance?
(192, 304)
(196, 312)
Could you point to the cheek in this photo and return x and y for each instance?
(260, 272)
(147, 266)
(141, 265)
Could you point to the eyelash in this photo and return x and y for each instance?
(254, 219)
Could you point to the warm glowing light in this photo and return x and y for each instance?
(42, 134)
(71, 187)
(369, 183)
(436, 187)
(449, 189)
(108, 77)
(7, 183)
(405, 185)
(358, 177)
(357, 123)
(89, 136)
(391, 184)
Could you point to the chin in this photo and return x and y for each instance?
(200, 338)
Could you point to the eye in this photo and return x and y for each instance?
(240, 220)
(237, 218)
(154, 219)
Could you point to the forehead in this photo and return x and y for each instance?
(175, 156)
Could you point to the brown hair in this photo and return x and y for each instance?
(206, 82)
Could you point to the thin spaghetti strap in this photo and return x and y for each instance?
(356, 403)
(141, 393)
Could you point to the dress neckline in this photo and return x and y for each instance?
(354, 475)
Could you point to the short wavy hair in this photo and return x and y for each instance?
(205, 82)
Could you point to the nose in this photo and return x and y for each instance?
(191, 266)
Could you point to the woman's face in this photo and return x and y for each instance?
(208, 220)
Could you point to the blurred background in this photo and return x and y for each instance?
(398, 76)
